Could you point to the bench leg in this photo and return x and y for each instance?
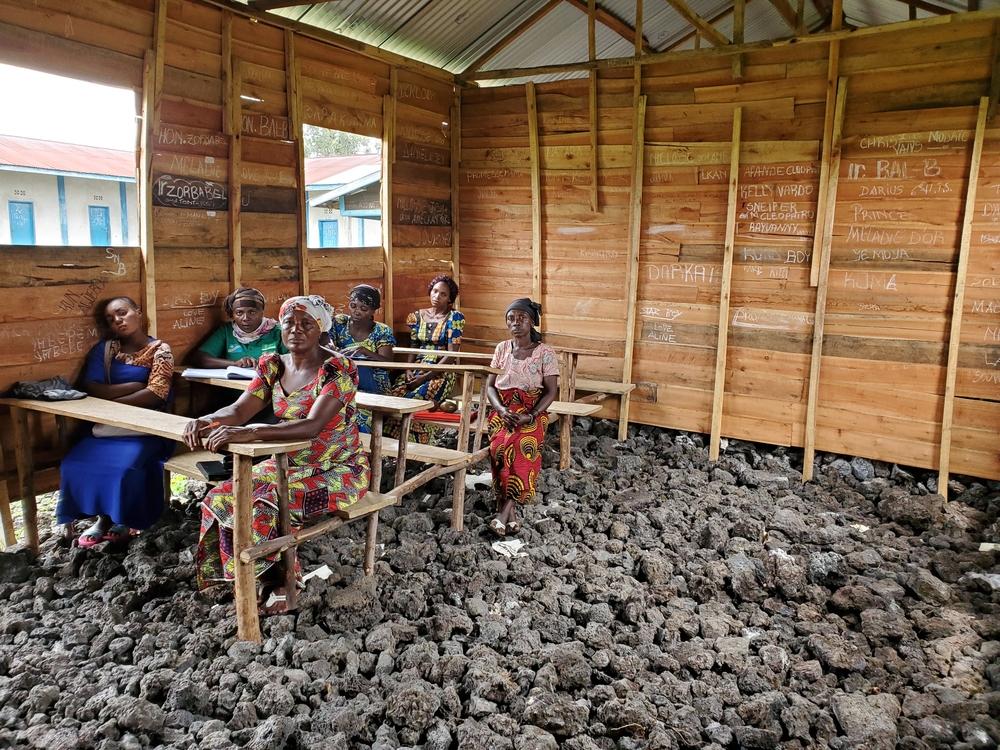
(285, 528)
(404, 438)
(247, 620)
(565, 439)
(458, 501)
(9, 537)
(370, 536)
(25, 475)
(625, 402)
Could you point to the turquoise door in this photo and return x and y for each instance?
(100, 225)
(22, 222)
(328, 233)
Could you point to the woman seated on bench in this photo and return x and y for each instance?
(360, 336)
(115, 474)
(246, 339)
(313, 395)
(519, 397)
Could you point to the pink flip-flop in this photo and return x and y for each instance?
(91, 537)
(118, 534)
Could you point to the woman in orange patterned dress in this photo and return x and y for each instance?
(519, 397)
(313, 396)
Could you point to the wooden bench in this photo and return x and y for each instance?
(443, 460)
(171, 426)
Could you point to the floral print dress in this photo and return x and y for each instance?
(332, 473)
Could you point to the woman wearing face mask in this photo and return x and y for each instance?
(313, 396)
(245, 339)
(112, 474)
(519, 397)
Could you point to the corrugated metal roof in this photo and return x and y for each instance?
(33, 153)
(453, 34)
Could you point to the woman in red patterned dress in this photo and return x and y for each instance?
(313, 396)
(519, 397)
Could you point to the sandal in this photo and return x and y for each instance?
(91, 537)
(497, 527)
(276, 604)
(513, 527)
(118, 534)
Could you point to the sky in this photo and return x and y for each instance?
(54, 108)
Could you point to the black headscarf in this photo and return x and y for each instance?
(243, 293)
(534, 311)
(367, 295)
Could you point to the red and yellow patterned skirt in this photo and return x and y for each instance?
(516, 454)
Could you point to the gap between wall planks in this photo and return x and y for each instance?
(385, 197)
(958, 305)
(145, 177)
(455, 130)
(809, 447)
(536, 194)
(234, 115)
(719, 386)
(294, 104)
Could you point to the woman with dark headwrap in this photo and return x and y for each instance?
(519, 397)
(360, 336)
(313, 396)
(246, 339)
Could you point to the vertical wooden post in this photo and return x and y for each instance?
(634, 235)
(823, 198)
(455, 124)
(739, 20)
(994, 71)
(6, 519)
(388, 159)
(145, 179)
(722, 342)
(294, 104)
(285, 528)
(235, 115)
(958, 305)
(159, 41)
(404, 438)
(247, 621)
(536, 193)
(809, 452)
(458, 486)
(566, 427)
(25, 475)
(375, 483)
(595, 199)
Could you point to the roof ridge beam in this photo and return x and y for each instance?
(613, 22)
(509, 39)
(706, 29)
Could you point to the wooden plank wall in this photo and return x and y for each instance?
(226, 96)
(911, 104)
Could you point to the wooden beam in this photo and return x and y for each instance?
(614, 23)
(595, 199)
(800, 17)
(455, 131)
(145, 183)
(337, 40)
(693, 34)
(822, 288)
(247, 621)
(510, 38)
(294, 103)
(787, 12)
(634, 237)
(536, 193)
(832, 74)
(706, 29)
(995, 71)
(159, 42)
(958, 304)
(388, 158)
(722, 341)
(929, 7)
(739, 21)
(234, 113)
(25, 476)
(837, 15)
(263, 5)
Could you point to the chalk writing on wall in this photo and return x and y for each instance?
(188, 192)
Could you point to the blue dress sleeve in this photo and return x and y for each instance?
(93, 368)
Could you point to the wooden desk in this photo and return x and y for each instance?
(170, 426)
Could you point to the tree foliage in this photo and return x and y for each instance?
(319, 142)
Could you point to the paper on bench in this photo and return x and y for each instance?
(226, 373)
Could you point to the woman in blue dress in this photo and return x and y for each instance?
(360, 336)
(113, 474)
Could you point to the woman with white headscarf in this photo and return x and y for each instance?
(312, 392)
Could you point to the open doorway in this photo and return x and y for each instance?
(343, 188)
(67, 162)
